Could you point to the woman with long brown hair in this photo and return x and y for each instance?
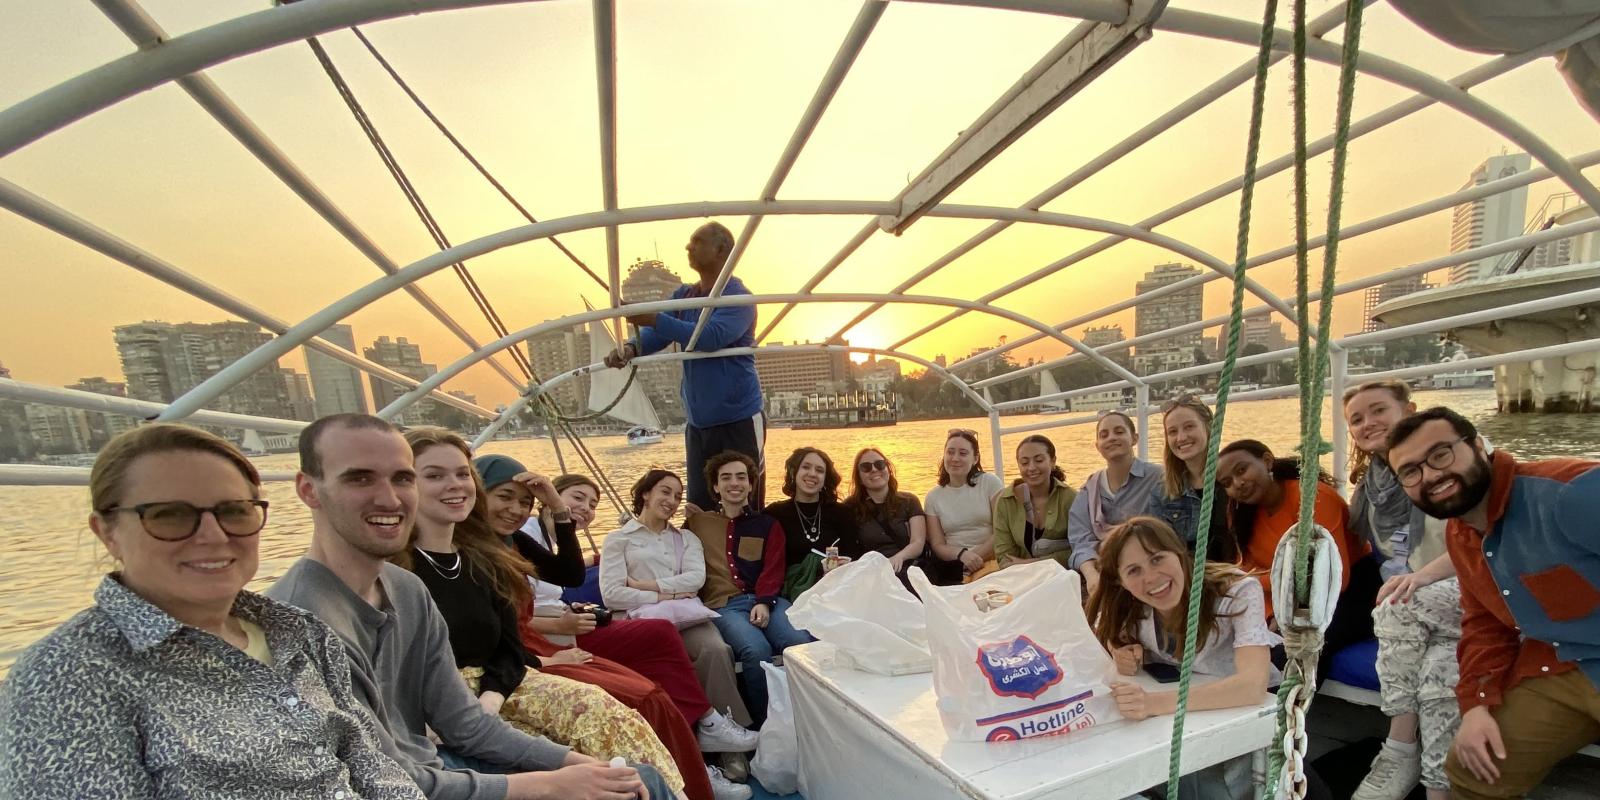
(889, 521)
(1140, 611)
(478, 585)
(1030, 515)
(961, 512)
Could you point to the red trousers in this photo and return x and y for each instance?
(652, 648)
(642, 695)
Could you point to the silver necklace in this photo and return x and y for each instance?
(449, 574)
(810, 528)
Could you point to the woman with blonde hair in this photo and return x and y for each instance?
(1417, 619)
(173, 683)
(479, 585)
(1186, 431)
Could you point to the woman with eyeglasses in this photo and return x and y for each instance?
(1264, 506)
(1121, 491)
(1418, 615)
(888, 521)
(1030, 516)
(961, 511)
(178, 682)
(1186, 429)
(813, 520)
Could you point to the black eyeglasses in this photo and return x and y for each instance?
(175, 520)
(1441, 456)
(874, 466)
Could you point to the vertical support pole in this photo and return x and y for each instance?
(999, 451)
(1143, 416)
(1341, 434)
(605, 63)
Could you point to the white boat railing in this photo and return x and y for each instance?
(161, 59)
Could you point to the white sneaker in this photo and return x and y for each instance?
(718, 734)
(1394, 774)
(724, 789)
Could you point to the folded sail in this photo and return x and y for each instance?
(605, 384)
(1047, 387)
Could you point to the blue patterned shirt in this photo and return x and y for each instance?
(124, 701)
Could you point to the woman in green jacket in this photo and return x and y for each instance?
(1030, 516)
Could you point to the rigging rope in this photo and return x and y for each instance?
(1295, 692)
(467, 154)
(413, 197)
(1224, 380)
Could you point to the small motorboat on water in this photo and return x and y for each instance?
(640, 434)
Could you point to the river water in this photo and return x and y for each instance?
(54, 562)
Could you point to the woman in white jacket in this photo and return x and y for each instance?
(649, 561)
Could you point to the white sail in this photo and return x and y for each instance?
(1047, 386)
(605, 384)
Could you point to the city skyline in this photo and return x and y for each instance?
(136, 168)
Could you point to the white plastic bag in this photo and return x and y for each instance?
(864, 610)
(777, 760)
(1013, 655)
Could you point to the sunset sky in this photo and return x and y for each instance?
(708, 93)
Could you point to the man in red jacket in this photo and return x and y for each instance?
(1525, 540)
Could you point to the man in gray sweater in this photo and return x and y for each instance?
(357, 478)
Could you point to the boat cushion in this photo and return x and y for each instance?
(1357, 665)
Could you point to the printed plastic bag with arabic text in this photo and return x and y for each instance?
(1013, 655)
(864, 610)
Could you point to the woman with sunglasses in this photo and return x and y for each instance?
(1186, 429)
(1119, 492)
(1418, 615)
(888, 520)
(1030, 516)
(177, 682)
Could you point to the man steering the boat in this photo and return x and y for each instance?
(721, 396)
(1523, 540)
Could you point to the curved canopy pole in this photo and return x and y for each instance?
(1322, 25)
(1444, 202)
(1428, 89)
(208, 390)
(528, 397)
(512, 339)
(843, 60)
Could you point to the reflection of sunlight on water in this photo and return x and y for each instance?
(53, 562)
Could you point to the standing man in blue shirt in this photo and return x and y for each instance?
(721, 396)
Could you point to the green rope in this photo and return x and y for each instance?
(1313, 364)
(1230, 356)
(1316, 362)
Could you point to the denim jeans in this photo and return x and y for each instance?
(652, 779)
(752, 645)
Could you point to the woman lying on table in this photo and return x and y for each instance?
(1140, 612)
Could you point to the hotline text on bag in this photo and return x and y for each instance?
(1013, 655)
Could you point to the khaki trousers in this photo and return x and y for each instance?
(713, 665)
(1542, 721)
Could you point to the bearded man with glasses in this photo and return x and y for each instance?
(1525, 541)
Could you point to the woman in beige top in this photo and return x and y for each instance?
(641, 563)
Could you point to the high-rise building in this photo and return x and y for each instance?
(554, 352)
(297, 389)
(405, 358)
(56, 429)
(1263, 330)
(335, 385)
(1164, 313)
(102, 427)
(1383, 293)
(161, 361)
(1489, 219)
(1102, 335)
(806, 372)
(662, 382)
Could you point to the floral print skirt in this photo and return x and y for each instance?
(582, 716)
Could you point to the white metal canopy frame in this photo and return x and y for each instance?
(1108, 30)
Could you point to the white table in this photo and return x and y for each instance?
(875, 737)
